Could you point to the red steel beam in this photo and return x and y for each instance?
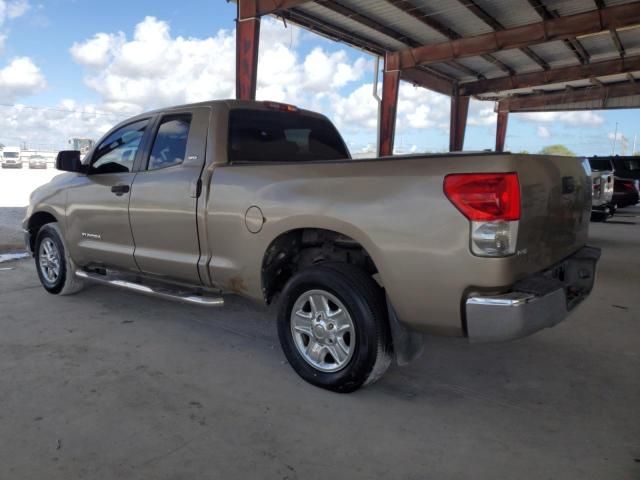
(556, 75)
(501, 128)
(531, 102)
(259, 8)
(427, 80)
(458, 122)
(389, 107)
(247, 44)
(545, 31)
(483, 15)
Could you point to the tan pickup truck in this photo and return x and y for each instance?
(263, 200)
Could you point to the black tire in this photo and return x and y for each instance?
(365, 303)
(599, 216)
(66, 282)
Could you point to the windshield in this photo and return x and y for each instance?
(10, 154)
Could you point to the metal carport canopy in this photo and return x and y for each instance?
(525, 55)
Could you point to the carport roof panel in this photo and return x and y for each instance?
(380, 26)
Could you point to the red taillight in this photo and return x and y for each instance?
(627, 185)
(485, 196)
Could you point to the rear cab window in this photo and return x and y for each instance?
(170, 144)
(282, 136)
(600, 164)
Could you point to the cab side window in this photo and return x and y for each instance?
(170, 144)
(118, 151)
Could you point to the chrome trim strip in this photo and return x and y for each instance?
(147, 290)
(514, 299)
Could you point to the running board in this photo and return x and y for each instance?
(156, 291)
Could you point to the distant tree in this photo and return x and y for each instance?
(526, 152)
(557, 150)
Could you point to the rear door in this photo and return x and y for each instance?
(165, 193)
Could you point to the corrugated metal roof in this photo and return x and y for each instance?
(470, 19)
(510, 14)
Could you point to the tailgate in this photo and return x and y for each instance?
(556, 208)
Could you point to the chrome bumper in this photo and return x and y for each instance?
(537, 302)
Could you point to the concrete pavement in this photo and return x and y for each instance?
(108, 384)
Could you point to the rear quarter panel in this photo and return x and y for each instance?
(397, 210)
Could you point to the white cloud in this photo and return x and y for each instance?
(543, 132)
(618, 136)
(19, 78)
(155, 69)
(481, 114)
(16, 8)
(52, 127)
(574, 119)
(96, 52)
(417, 109)
(8, 11)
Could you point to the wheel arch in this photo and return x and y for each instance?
(36, 221)
(299, 247)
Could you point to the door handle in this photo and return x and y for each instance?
(120, 190)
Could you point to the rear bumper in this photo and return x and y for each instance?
(537, 302)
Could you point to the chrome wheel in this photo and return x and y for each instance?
(323, 330)
(49, 260)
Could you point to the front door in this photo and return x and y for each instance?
(165, 195)
(98, 204)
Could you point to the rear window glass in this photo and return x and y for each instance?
(274, 136)
(632, 164)
(600, 164)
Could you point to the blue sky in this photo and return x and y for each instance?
(186, 54)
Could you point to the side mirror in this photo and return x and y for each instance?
(69, 161)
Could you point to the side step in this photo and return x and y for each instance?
(185, 296)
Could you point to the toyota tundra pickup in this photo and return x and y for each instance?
(263, 200)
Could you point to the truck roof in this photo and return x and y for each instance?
(230, 104)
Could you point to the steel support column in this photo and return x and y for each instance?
(389, 105)
(501, 128)
(247, 43)
(458, 122)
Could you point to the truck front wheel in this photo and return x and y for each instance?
(54, 266)
(333, 327)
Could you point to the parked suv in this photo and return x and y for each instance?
(626, 171)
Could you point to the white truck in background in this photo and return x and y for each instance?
(11, 157)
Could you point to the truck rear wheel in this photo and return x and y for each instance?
(333, 327)
(54, 266)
